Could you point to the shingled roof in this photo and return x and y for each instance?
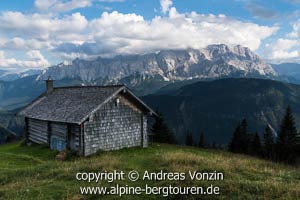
(73, 104)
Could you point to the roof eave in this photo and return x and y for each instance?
(30, 104)
(152, 112)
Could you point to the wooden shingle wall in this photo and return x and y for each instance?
(145, 131)
(115, 126)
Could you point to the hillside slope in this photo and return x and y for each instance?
(288, 72)
(216, 107)
(288, 69)
(6, 135)
(33, 173)
(17, 93)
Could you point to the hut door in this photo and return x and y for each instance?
(71, 140)
(59, 133)
(58, 143)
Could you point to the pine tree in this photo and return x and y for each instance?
(161, 131)
(255, 145)
(240, 139)
(214, 146)
(298, 144)
(189, 139)
(286, 146)
(201, 143)
(244, 137)
(234, 145)
(269, 144)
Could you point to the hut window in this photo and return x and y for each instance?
(117, 102)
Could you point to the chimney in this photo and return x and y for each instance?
(49, 84)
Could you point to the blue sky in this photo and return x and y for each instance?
(41, 33)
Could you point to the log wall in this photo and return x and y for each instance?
(59, 130)
(38, 131)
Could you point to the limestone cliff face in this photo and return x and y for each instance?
(214, 61)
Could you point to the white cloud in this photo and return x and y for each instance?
(2, 41)
(39, 32)
(111, 1)
(41, 27)
(61, 6)
(283, 50)
(117, 33)
(67, 5)
(21, 44)
(2, 56)
(113, 33)
(295, 33)
(35, 55)
(165, 5)
(35, 60)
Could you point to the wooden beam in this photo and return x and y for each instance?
(82, 145)
(69, 136)
(142, 130)
(49, 132)
(26, 130)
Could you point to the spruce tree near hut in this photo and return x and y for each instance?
(255, 148)
(286, 147)
(161, 132)
(240, 139)
(201, 143)
(244, 137)
(189, 139)
(268, 144)
(234, 145)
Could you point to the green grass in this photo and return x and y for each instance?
(33, 173)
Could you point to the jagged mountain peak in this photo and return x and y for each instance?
(218, 60)
(217, 50)
(220, 48)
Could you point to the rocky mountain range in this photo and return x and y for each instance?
(145, 74)
(212, 62)
(164, 74)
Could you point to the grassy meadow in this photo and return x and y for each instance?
(33, 173)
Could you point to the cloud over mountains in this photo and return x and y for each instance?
(65, 35)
